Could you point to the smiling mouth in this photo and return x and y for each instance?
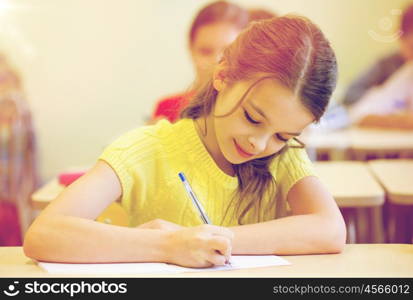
(241, 151)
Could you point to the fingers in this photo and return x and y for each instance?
(222, 245)
(220, 241)
(217, 259)
(200, 246)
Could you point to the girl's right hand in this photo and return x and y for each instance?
(199, 247)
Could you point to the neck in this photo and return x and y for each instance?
(206, 132)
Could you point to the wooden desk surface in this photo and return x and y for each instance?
(351, 183)
(43, 196)
(396, 176)
(357, 260)
(361, 139)
(376, 139)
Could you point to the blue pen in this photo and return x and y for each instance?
(195, 200)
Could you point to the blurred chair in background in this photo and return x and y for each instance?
(18, 172)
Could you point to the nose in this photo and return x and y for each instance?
(258, 143)
(265, 143)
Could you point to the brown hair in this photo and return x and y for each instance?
(219, 11)
(292, 50)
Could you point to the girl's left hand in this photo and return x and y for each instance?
(160, 224)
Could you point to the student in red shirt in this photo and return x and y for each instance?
(214, 27)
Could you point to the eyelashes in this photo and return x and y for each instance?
(248, 117)
(252, 121)
(281, 138)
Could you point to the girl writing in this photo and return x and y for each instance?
(237, 145)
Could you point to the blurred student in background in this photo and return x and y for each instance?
(18, 175)
(214, 27)
(382, 96)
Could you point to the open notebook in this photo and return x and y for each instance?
(237, 262)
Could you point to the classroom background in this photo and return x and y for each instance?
(91, 70)
(99, 67)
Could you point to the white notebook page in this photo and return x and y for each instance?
(237, 262)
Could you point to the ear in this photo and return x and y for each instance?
(219, 76)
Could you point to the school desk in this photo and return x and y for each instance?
(357, 260)
(358, 195)
(396, 176)
(360, 143)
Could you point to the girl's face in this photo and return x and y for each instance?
(268, 118)
(208, 45)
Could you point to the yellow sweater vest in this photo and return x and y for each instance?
(147, 161)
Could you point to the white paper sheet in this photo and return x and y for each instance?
(237, 262)
(245, 262)
(109, 268)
